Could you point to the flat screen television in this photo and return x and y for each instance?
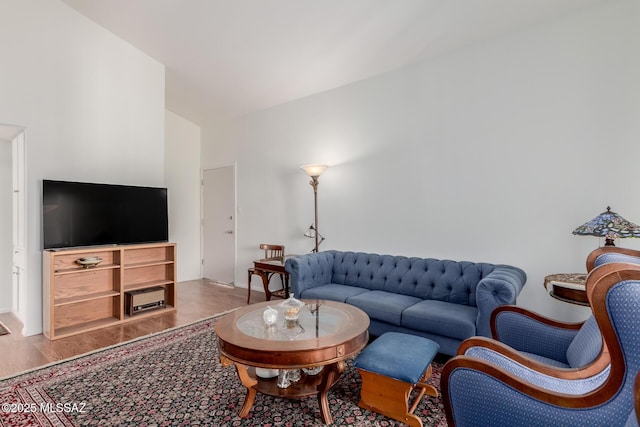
(86, 214)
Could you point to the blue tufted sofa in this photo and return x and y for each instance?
(445, 301)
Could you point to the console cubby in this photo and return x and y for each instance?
(79, 299)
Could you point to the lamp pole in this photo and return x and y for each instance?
(314, 171)
(314, 184)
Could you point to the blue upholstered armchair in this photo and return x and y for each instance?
(608, 254)
(550, 342)
(484, 386)
(634, 419)
(547, 341)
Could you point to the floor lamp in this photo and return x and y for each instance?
(314, 171)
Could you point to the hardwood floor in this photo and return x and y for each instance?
(197, 299)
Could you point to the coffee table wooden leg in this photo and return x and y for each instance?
(249, 383)
(331, 375)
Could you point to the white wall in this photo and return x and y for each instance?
(6, 224)
(492, 153)
(92, 106)
(182, 177)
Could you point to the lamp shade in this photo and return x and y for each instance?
(311, 232)
(609, 225)
(314, 170)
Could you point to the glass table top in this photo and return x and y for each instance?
(314, 321)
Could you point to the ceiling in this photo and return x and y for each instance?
(227, 58)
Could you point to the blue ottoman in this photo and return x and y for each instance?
(391, 367)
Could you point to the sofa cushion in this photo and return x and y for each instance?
(332, 292)
(442, 318)
(381, 305)
(367, 271)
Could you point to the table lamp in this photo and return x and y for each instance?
(609, 225)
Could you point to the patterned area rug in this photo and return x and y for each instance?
(174, 379)
(4, 330)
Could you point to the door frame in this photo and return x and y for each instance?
(234, 167)
(16, 136)
(19, 221)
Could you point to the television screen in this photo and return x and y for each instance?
(86, 214)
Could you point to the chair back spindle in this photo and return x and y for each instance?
(272, 251)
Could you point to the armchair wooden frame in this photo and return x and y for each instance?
(591, 258)
(598, 284)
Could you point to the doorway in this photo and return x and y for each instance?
(219, 224)
(13, 221)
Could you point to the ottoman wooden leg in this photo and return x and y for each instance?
(391, 368)
(425, 388)
(390, 397)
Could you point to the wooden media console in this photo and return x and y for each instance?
(79, 298)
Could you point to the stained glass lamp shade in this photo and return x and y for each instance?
(609, 225)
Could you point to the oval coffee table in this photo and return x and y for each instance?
(325, 335)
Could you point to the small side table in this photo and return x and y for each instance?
(568, 287)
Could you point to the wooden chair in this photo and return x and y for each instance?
(271, 252)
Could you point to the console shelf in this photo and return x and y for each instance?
(84, 297)
(148, 264)
(85, 327)
(78, 299)
(146, 285)
(77, 270)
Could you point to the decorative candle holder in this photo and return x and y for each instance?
(286, 377)
(292, 307)
(270, 316)
(313, 370)
(267, 373)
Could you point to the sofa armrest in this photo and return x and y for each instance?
(308, 271)
(500, 287)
